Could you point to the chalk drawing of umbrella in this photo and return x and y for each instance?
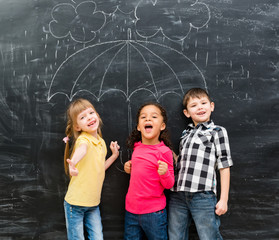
(127, 66)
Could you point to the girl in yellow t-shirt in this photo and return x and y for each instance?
(86, 167)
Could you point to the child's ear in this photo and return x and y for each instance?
(212, 105)
(163, 126)
(186, 113)
(77, 128)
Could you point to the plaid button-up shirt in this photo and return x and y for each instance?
(203, 148)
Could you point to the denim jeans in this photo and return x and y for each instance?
(185, 206)
(78, 217)
(153, 225)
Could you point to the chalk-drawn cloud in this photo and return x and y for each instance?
(110, 6)
(80, 22)
(175, 22)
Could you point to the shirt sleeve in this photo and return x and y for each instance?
(81, 140)
(223, 152)
(167, 180)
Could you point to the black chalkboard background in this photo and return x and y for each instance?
(119, 54)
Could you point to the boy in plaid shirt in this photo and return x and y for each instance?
(204, 147)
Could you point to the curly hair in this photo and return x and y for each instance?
(135, 135)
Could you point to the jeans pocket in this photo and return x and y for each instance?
(206, 194)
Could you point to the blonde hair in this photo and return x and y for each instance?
(74, 109)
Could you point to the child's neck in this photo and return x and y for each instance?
(150, 141)
(93, 134)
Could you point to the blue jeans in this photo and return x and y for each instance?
(153, 225)
(185, 206)
(78, 217)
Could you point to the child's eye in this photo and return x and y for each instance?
(92, 112)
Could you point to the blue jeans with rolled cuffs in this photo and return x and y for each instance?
(153, 225)
(200, 207)
(78, 218)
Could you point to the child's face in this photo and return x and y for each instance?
(88, 121)
(150, 124)
(199, 109)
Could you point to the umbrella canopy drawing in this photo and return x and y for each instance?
(127, 66)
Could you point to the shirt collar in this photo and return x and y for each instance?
(204, 125)
(161, 143)
(95, 141)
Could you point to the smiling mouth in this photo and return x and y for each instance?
(201, 113)
(91, 123)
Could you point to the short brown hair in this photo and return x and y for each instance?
(194, 93)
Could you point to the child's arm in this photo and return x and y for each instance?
(165, 170)
(77, 156)
(174, 157)
(114, 147)
(224, 162)
(222, 205)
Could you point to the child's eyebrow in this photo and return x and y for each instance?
(192, 103)
(150, 113)
(154, 113)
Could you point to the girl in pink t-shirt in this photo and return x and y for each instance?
(151, 169)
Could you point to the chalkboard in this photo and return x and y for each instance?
(119, 54)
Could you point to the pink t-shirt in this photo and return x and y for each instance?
(146, 189)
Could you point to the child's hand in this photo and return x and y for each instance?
(163, 167)
(221, 207)
(114, 147)
(128, 167)
(175, 157)
(72, 169)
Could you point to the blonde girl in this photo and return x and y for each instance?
(85, 164)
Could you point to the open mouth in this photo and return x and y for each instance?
(201, 113)
(148, 128)
(91, 123)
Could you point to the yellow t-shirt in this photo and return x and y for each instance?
(85, 189)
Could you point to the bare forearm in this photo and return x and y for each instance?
(79, 153)
(110, 160)
(222, 205)
(225, 183)
(114, 147)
